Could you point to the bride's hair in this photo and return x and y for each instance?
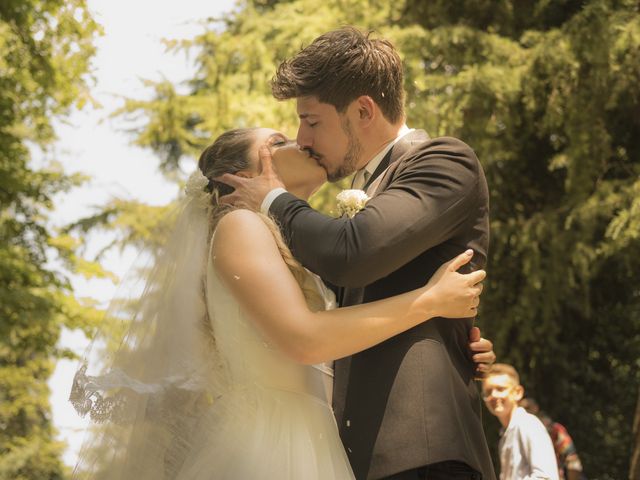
(229, 153)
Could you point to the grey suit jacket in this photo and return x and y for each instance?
(411, 400)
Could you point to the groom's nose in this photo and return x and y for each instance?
(304, 138)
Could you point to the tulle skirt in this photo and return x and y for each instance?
(267, 433)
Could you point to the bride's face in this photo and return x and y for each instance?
(299, 172)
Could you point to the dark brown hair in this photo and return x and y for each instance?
(342, 65)
(229, 153)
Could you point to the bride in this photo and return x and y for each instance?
(225, 371)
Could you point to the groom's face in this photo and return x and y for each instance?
(329, 136)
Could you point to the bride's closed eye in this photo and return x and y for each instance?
(277, 140)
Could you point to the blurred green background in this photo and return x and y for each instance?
(546, 92)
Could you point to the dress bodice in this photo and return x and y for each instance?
(249, 358)
(192, 401)
(273, 420)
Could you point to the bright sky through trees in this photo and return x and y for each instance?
(94, 144)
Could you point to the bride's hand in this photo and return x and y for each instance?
(456, 295)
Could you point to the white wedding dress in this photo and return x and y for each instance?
(195, 391)
(274, 420)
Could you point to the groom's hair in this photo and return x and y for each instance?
(342, 65)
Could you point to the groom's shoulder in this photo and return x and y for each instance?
(443, 149)
(446, 146)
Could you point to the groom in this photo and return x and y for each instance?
(407, 408)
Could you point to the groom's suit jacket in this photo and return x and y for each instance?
(411, 400)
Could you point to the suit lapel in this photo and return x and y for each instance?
(384, 163)
(398, 150)
(354, 296)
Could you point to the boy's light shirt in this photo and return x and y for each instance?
(526, 451)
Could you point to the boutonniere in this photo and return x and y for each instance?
(351, 202)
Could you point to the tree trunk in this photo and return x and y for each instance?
(634, 470)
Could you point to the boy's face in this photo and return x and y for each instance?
(501, 394)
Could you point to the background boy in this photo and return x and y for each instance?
(525, 447)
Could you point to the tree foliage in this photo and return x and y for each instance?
(45, 50)
(547, 93)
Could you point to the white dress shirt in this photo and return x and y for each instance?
(363, 175)
(526, 451)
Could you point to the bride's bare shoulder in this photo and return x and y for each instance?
(239, 221)
(240, 230)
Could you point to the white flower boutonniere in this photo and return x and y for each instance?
(351, 202)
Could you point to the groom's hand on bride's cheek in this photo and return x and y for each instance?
(249, 192)
(481, 352)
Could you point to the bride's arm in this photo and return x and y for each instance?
(248, 261)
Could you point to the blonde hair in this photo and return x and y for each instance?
(504, 369)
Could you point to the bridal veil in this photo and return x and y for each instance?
(145, 396)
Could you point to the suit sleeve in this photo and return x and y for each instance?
(428, 199)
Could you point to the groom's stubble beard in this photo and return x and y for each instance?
(354, 150)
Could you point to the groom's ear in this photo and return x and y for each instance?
(366, 109)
